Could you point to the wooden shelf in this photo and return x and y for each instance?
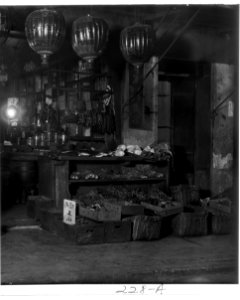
(86, 139)
(117, 181)
(111, 159)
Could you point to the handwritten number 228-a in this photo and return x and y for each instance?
(132, 290)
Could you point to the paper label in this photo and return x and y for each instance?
(230, 108)
(69, 212)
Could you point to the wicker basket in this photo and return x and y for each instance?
(190, 224)
(221, 224)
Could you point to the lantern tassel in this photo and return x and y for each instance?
(44, 59)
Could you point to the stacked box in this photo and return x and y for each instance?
(108, 212)
(51, 220)
(221, 205)
(117, 232)
(130, 209)
(221, 224)
(85, 231)
(190, 224)
(145, 227)
(88, 234)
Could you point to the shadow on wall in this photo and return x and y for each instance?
(182, 47)
(183, 169)
(113, 55)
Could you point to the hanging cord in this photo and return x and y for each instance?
(162, 55)
(214, 111)
(170, 23)
(165, 16)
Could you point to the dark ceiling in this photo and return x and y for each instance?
(211, 35)
(211, 16)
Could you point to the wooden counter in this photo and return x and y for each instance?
(55, 182)
(54, 171)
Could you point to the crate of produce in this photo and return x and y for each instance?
(103, 211)
(221, 205)
(221, 224)
(36, 203)
(190, 224)
(83, 232)
(70, 232)
(131, 209)
(164, 210)
(127, 208)
(117, 232)
(185, 194)
(145, 227)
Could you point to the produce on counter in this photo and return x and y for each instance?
(121, 147)
(159, 151)
(119, 153)
(159, 198)
(83, 154)
(138, 172)
(75, 176)
(127, 195)
(141, 171)
(84, 175)
(91, 176)
(123, 193)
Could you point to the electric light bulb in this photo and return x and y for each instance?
(11, 112)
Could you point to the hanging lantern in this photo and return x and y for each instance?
(45, 31)
(89, 37)
(4, 25)
(136, 43)
(3, 74)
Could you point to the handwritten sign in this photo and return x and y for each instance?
(142, 289)
(69, 212)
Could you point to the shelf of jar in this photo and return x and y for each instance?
(112, 159)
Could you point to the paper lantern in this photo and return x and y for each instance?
(89, 37)
(136, 43)
(45, 31)
(4, 25)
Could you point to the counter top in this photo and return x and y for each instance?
(35, 155)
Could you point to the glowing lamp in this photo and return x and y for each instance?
(11, 112)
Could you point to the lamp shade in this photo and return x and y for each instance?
(45, 32)
(89, 37)
(4, 24)
(136, 43)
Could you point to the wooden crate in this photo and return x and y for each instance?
(145, 227)
(110, 212)
(116, 232)
(83, 232)
(132, 210)
(221, 224)
(51, 220)
(89, 234)
(36, 203)
(221, 205)
(190, 224)
(169, 210)
(128, 209)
